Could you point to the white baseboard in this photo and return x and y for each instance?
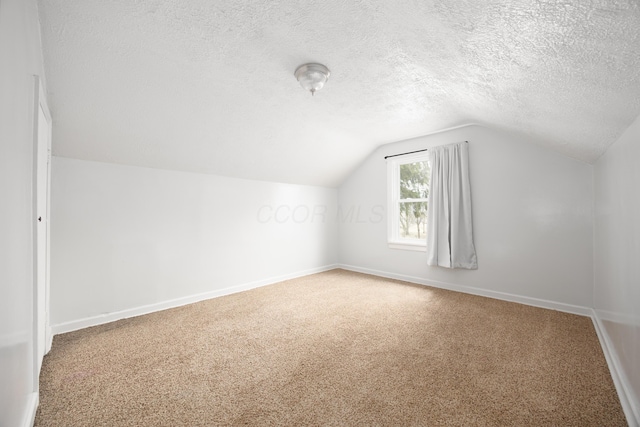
(536, 302)
(30, 410)
(630, 403)
(74, 325)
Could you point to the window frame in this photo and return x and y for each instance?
(394, 240)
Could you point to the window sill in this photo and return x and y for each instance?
(420, 247)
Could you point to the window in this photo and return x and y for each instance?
(408, 190)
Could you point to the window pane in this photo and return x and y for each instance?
(413, 220)
(414, 180)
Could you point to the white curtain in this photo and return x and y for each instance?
(449, 228)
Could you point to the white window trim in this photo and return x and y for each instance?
(393, 189)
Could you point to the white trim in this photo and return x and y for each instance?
(49, 340)
(630, 404)
(35, 314)
(30, 410)
(40, 218)
(74, 325)
(535, 302)
(44, 104)
(408, 246)
(394, 239)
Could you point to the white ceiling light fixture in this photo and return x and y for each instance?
(312, 77)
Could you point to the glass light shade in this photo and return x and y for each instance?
(312, 77)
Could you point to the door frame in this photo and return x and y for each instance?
(41, 290)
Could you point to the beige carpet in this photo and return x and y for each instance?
(333, 349)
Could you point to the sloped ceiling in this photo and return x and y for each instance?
(207, 86)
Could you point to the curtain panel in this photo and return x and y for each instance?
(449, 225)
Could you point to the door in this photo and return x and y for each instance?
(42, 156)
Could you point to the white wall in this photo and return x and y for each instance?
(124, 237)
(532, 218)
(617, 255)
(20, 58)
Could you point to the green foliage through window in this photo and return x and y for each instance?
(414, 191)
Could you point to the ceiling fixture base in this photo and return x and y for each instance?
(312, 76)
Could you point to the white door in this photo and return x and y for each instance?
(41, 193)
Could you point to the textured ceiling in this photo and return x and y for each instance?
(207, 86)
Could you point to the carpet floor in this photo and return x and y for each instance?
(333, 349)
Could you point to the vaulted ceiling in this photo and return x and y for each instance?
(207, 86)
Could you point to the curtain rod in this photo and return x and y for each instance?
(410, 152)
